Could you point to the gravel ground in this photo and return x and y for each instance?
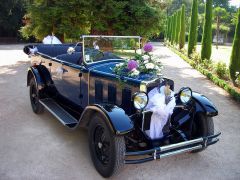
(39, 147)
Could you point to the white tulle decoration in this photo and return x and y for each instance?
(51, 40)
(161, 110)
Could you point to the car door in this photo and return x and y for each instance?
(66, 79)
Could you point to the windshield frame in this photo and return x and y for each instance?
(104, 36)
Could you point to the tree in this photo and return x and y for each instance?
(11, 17)
(234, 65)
(69, 19)
(182, 29)
(169, 21)
(173, 29)
(170, 30)
(221, 3)
(192, 39)
(219, 14)
(66, 19)
(207, 32)
(166, 30)
(178, 26)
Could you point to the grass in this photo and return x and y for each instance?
(226, 85)
(222, 54)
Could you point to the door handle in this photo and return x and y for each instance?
(64, 70)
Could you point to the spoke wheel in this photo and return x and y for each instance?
(102, 145)
(34, 98)
(107, 149)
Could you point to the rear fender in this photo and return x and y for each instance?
(118, 121)
(34, 73)
(204, 105)
(41, 75)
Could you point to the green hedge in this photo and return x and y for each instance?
(221, 83)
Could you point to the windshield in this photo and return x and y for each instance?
(102, 48)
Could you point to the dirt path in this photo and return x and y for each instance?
(39, 147)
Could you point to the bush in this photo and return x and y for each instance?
(213, 77)
(221, 70)
(207, 63)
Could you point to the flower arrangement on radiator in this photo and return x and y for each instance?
(144, 63)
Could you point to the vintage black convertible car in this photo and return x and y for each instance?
(76, 83)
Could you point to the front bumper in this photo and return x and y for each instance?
(170, 150)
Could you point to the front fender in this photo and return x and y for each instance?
(115, 117)
(204, 105)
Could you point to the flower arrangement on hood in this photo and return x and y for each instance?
(145, 63)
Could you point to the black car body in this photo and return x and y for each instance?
(90, 95)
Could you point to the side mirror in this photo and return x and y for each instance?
(185, 95)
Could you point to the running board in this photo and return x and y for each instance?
(55, 109)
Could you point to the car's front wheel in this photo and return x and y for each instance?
(202, 126)
(37, 107)
(107, 149)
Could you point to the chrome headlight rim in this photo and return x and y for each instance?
(184, 93)
(137, 94)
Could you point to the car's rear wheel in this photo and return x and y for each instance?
(37, 107)
(202, 126)
(107, 149)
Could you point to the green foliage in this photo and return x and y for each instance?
(182, 29)
(66, 19)
(222, 28)
(234, 66)
(221, 70)
(192, 39)
(220, 14)
(178, 26)
(221, 3)
(168, 28)
(207, 32)
(11, 14)
(172, 28)
(70, 19)
(210, 75)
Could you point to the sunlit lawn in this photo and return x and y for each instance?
(222, 54)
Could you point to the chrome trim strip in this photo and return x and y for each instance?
(178, 145)
(180, 151)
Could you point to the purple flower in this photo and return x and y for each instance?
(148, 47)
(132, 64)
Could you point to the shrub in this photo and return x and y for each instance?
(207, 32)
(207, 63)
(221, 70)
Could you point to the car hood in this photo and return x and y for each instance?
(106, 70)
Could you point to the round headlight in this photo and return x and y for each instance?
(185, 95)
(140, 100)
